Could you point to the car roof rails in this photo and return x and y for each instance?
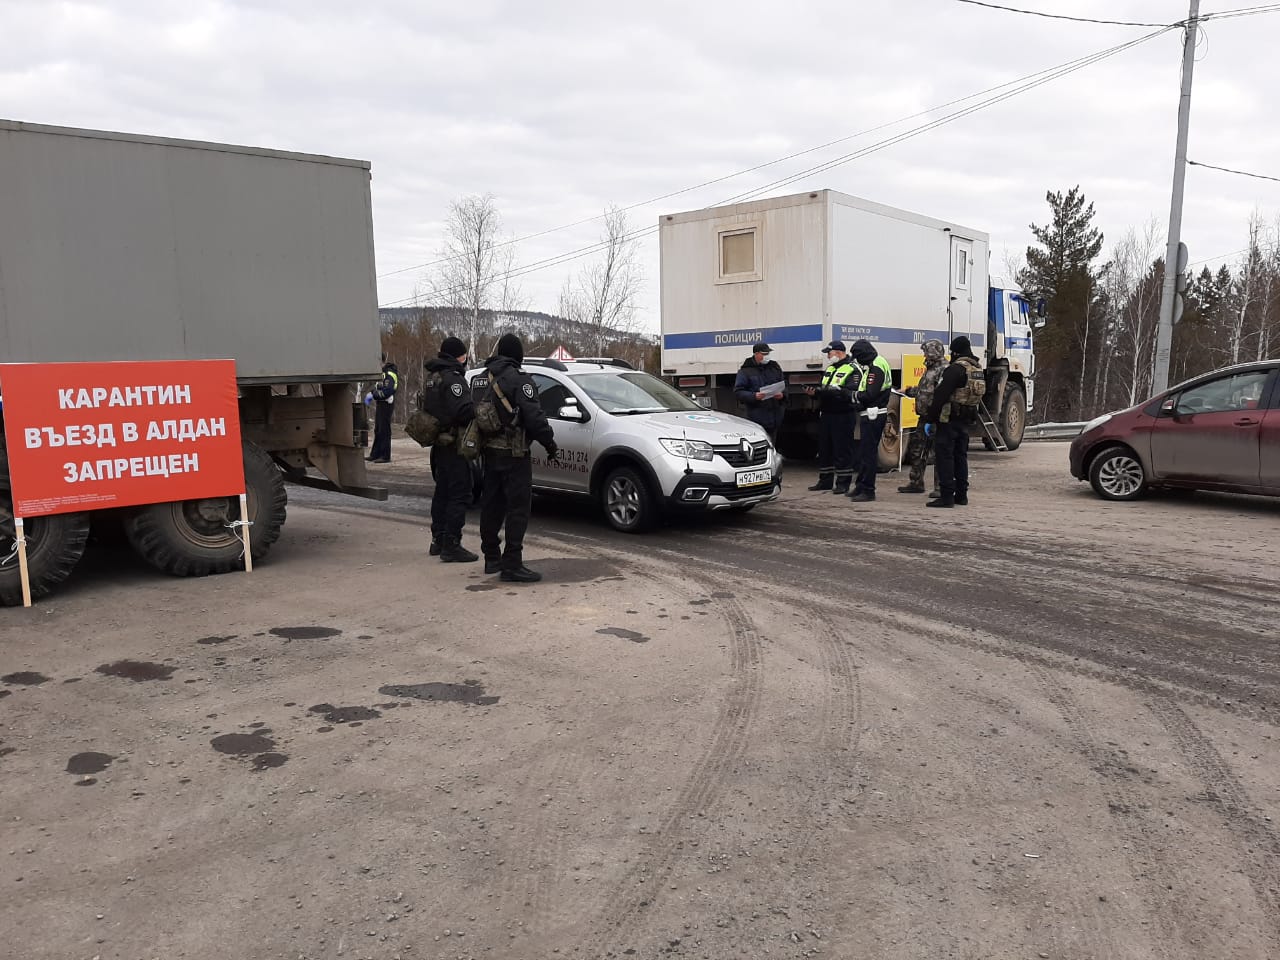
(544, 362)
(605, 362)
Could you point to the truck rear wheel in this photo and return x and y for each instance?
(1013, 416)
(194, 538)
(54, 546)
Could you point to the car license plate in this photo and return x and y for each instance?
(754, 478)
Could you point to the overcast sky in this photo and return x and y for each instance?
(560, 108)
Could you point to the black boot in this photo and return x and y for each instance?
(962, 499)
(452, 551)
(911, 488)
(434, 549)
(946, 500)
(840, 489)
(521, 574)
(824, 483)
(935, 493)
(862, 496)
(492, 564)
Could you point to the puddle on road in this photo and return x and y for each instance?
(24, 678)
(698, 603)
(481, 587)
(243, 744)
(571, 570)
(207, 641)
(305, 633)
(468, 693)
(624, 634)
(334, 714)
(136, 670)
(84, 763)
(269, 761)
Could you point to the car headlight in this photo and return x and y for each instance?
(1096, 422)
(688, 449)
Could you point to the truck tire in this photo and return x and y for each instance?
(54, 546)
(891, 439)
(628, 504)
(193, 538)
(1013, 416)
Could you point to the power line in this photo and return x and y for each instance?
(1026, 83)
(1242, 12)
(1061, 16)
(757, 167)
(1240, 173)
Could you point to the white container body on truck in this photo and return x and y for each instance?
(122, 247)
(801, 270)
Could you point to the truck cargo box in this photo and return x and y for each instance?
(123, 247)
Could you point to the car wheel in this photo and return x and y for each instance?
(627, 502)
(1117, 474)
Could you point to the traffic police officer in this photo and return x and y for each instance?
(447, 397)
(871, 400)
(508, 472)
(835, 420)
(384, 396)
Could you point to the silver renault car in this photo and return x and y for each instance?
(641, 449)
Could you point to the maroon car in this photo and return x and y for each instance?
(1218, 431)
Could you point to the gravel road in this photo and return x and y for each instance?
(1041, 726)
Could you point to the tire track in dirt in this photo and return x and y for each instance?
(1125, 808)
(1192, 681)
(641, 886)
(1257, 839)
(542, 854)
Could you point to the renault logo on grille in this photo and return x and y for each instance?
(746, 447)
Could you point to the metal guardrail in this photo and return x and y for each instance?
(1053, 431)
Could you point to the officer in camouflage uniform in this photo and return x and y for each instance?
(920, 445)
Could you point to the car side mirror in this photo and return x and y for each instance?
(572, 412)
(1170, 405)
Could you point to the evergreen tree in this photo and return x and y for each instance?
(1061, 270)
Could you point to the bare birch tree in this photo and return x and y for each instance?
(603, 296)
(475, 274)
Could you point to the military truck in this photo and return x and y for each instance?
(122, 247)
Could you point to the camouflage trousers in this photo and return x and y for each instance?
(918, 449)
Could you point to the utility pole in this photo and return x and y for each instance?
(1169, 295)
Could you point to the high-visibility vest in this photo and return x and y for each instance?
(883, 364)
(836, 374)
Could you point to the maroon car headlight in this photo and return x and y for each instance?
(1096, 422)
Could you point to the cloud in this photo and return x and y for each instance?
(561, 108)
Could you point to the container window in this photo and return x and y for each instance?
(962, 268)
(739, 255)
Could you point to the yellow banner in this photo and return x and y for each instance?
(912, 371)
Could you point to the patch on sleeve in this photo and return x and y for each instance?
(456, 389)
(528, 390)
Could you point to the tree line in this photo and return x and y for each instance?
(1096, 349)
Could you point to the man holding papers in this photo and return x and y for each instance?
(761, 389)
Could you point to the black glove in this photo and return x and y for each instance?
(553, 452)
(910, 391)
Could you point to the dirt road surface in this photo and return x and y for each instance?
(1042, 726)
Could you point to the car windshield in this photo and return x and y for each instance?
(628, 393)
